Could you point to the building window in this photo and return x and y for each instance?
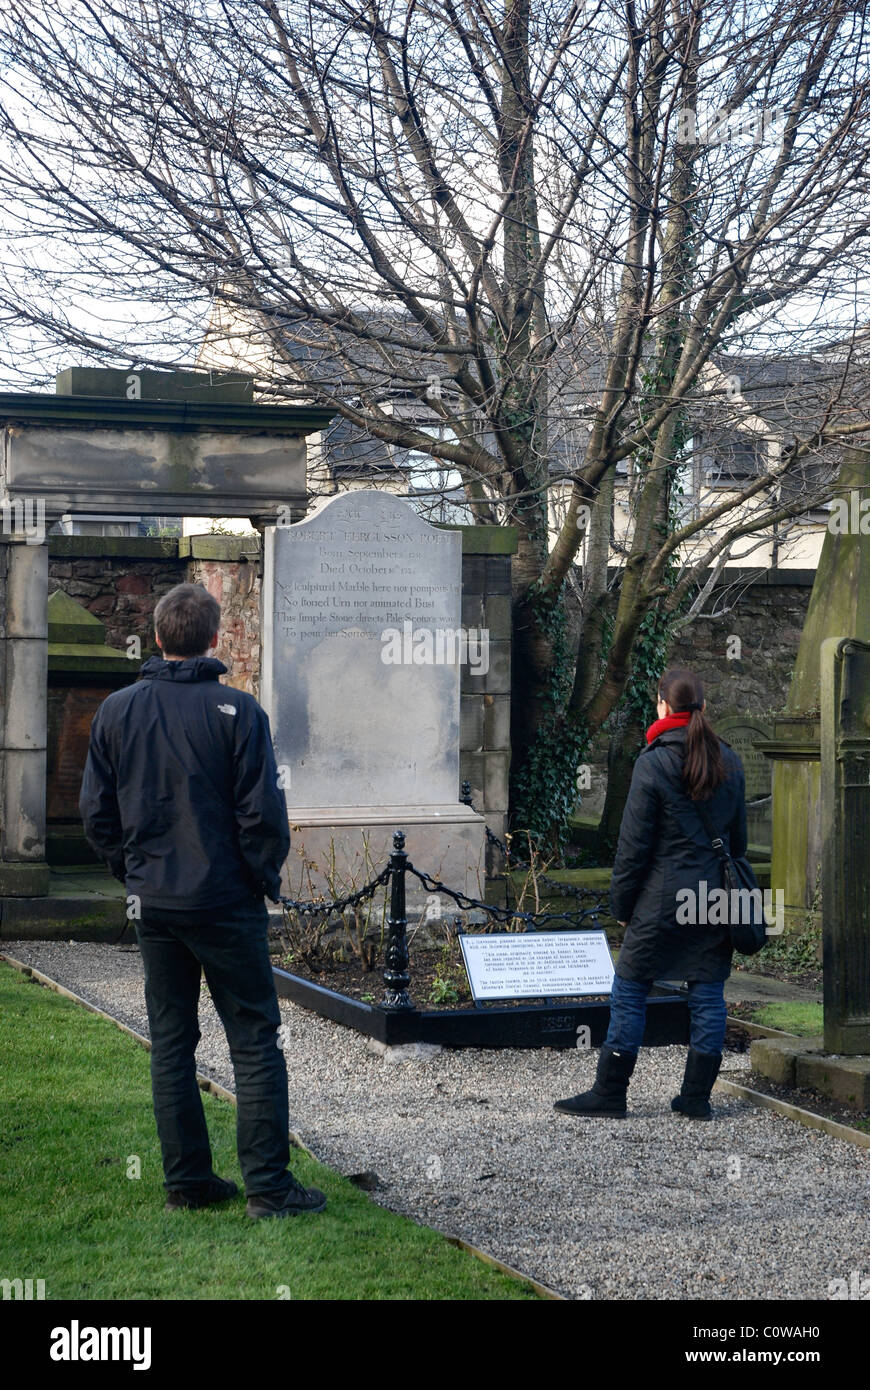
(732, 458)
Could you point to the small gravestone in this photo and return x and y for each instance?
(743, 733)
(362, 645)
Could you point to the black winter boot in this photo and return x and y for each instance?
(702, 1068)
(607, 1097)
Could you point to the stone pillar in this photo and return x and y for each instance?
(839, 603)
(845, 759)
(485, 700)
(24, 664)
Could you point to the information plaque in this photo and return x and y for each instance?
(537, 964)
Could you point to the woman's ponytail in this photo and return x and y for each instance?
(703, 766)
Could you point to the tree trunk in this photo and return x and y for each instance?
(625, 744)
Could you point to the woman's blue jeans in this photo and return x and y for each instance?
(707, 1014)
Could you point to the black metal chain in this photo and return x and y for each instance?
(501, 914)
(308, 908)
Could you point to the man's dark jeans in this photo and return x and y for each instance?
(230, 946)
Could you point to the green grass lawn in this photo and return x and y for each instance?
(792, 1016)
(75, 1101)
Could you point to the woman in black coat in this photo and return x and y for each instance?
(665, 867)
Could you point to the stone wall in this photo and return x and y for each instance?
(767, 618)
(118, 579)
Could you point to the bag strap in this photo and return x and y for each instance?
(715, 838)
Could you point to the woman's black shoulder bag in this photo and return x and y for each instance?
(745, 910)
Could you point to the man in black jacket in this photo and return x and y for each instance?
(180, 798)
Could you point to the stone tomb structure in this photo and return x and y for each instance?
(362, 650)
(171, 443)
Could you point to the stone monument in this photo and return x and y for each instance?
(837, 1065)
(839, 603)
(186, 449)
(362, 648)
(845, 747)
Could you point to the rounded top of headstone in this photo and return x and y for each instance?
(372, 507)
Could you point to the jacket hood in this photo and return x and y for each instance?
(192, 668)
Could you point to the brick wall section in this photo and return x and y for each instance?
(236, 586)
(117, 579)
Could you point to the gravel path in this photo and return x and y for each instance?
(652, 1207)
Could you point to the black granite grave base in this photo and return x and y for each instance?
(522, 1025)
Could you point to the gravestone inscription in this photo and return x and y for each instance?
(362, 711)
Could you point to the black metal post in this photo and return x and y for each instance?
(396, 976)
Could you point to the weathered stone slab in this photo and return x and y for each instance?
(350, 728)
(196, 472)
(151, 384)
(336, 852)
(742, 733)
(362, 650)
(843, 1079)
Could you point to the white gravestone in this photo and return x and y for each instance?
(361, 647)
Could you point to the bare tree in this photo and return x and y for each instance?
(524, 242)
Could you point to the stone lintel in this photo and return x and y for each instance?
(154, 384)
(95, 412)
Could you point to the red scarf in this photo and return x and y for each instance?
(670, 721)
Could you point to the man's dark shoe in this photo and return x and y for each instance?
(702, 1068)
(293, 1200)
(206, 1195)
(607, 1097)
